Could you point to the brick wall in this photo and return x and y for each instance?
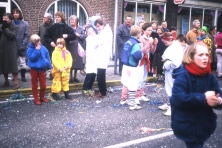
(33, 10)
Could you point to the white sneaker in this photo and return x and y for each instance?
(137, 100)
(168, 112)
(143, 98)
(164, 107)
(135, 107)
(154, 75)
(122, 102)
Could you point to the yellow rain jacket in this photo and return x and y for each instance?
(60, 59)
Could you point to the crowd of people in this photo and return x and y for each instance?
(184, 62)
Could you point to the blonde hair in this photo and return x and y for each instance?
(135, 30)
(190, 52)
(62, 15)
(61, 41)
(34, 39)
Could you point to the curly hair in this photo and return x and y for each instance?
(62, 15)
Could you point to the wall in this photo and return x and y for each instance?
(33, 10)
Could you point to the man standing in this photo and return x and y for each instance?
(22, 39)
(164, 26)
(193, 33)
(47, 22)
(123, 35)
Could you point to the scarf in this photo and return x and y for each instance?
(64, 54)
(196, 70)
(145, 60)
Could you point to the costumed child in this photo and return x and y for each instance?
(172, 62)
(147, 45)
(38, 61)
(62, 62)
(91, 69)
(130, 57)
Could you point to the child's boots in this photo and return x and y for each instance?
(67, 96)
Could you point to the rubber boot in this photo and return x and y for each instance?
(23, 75)
(55, 96)
(37, 101)
(67, 96)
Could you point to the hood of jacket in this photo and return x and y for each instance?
(179, 70)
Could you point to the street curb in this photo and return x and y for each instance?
(76, 86)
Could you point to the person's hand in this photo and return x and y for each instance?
(78, 35)
(66, 67)
(61, 69)
(155, 42)
(151, 40)
(37, 46)
(52, 44)
(64, 36)
(4, 25)
(211, 98)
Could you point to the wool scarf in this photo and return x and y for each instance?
(196, 70)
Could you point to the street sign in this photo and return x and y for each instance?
(178, 1)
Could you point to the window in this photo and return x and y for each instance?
(69, 7)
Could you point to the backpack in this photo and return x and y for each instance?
(126, 52)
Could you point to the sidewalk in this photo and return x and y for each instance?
(25, 87)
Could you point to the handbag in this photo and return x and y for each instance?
(81, 51)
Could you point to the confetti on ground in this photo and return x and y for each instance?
(71, 125)
(147, 130)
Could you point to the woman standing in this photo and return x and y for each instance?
(103, 54)
(8, 50)
(78, 62)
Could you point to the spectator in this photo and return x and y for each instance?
(39, 61)
(193, 33)
(78, 62)
(59, 30)
(154, 28)
(218, 40)
(194, 95)
(8, 50)
(159, 31)
(211, 35)
(173, 31)
(22, 40)
(123, 35)
(88, 25)
(164, 26)
(47, 22)
(103, 54)
(91, 68)
(62, 63)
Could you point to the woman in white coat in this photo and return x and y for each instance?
(103, 54)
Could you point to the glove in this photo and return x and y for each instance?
(4, 25)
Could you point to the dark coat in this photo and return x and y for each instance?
(193, 120)
(41, 33)
(8, 49)
(56, 31)
(122, 35)
(73, 49)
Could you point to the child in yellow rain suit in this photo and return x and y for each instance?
(62, 62)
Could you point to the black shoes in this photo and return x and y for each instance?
(55, 96)
(23, 79)
(67, 96)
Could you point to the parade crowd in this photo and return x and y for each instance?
(184, 62)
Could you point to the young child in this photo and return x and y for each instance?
(171, 62)
(130, 56)
(147, 45)
(39, 61)
(62, 62)
(91, 69)
(194, 95)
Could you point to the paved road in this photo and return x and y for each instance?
(89, 123)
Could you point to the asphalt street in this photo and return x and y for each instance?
(84, 122)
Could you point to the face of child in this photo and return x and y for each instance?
(99, 27)
(90, 31)
(148, 31)
(201, 56)
(159, 31)
(168, 43)
(138, 35)
(202, 32)
(60, 45)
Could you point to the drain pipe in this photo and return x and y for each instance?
(114, 35)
